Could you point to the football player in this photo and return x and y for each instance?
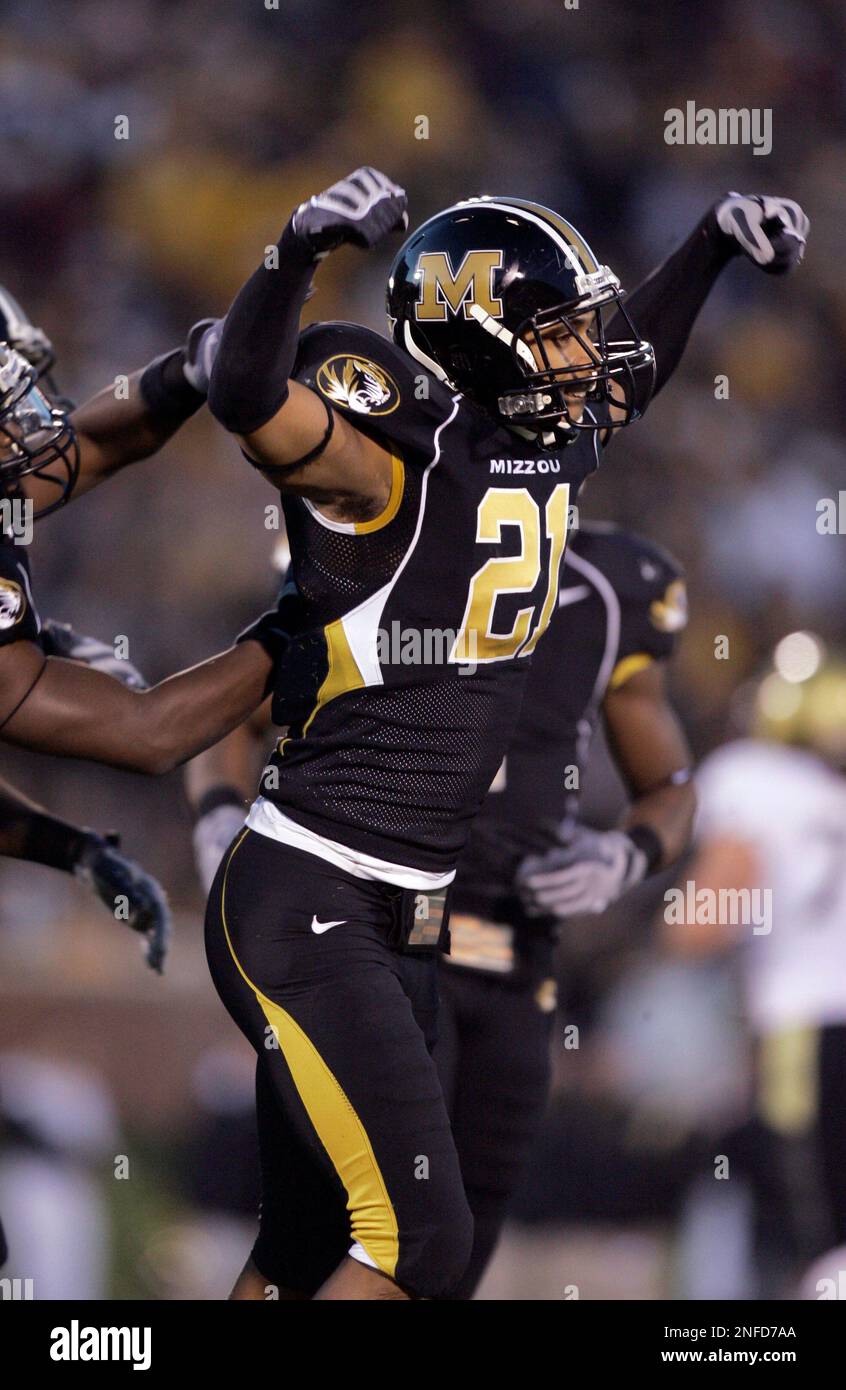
(47, 457)
(47, 454)
(426, 484)
(529, 864)
(768, 882)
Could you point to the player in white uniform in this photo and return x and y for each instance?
(769, 877)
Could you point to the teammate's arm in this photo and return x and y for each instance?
(592, 868)
(652, 753)
(29, 832)
(61, 707)
(114, 430)
(296, 439)
(770, 232)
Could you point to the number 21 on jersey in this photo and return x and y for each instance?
(512, 574)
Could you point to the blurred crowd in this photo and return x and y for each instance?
(236, 112)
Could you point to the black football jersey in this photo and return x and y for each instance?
(419, 625)
(19, 620)
(621, 603)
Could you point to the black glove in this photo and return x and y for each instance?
(361, 209)
(275, 629)
(60, 639)
(273, 633)
(112, 875)
(771, 232)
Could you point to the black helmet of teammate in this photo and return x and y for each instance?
(475, 289)
(36, 434)
(18, 332)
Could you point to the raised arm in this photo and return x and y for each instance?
(293, 436)
(770, 232)
(116, 428)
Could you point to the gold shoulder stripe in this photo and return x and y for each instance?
(628, 667)
(392, 506)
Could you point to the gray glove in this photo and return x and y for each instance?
(60, 639)
(769, 231)
(361, 209)
(112, 875)
(200, 351)
(582, 875)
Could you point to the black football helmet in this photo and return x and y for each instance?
(17, 332)
(475, 289)
(36, 434)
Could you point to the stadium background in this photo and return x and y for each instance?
(235, 113)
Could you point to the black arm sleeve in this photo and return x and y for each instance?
(664, 308)
(258, 344)
(169, 398)
(28, 832)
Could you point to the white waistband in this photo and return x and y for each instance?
(266, 819)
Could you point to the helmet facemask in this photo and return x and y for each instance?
(37, 438)
(618, 371)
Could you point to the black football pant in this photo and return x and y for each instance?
(493, 1054)
(355, 1141)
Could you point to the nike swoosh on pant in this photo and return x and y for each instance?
(324, 926)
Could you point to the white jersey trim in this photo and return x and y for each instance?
(267, 819)
(358, 1252)
(346, 528)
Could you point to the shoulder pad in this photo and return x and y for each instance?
(643, 574)
(373, 384)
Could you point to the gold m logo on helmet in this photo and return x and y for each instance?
(12, 603)
(358, 384)
(471, 284)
